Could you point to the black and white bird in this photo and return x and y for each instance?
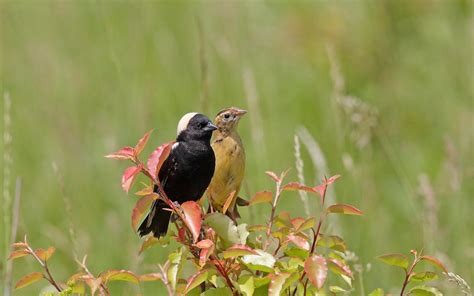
(186, 173)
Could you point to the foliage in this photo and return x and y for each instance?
(288, 255)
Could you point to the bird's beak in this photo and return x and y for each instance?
(240, 112)
(210, 127)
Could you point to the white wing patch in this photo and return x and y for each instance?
(184, 121)
(174, 145)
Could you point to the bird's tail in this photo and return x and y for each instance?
(157, 220)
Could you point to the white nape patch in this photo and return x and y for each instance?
(184, 121)
(174, 145)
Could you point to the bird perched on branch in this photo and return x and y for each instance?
(230, 161)
(186, 173)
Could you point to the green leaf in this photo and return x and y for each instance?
(297, 252)
(399, 260)
(246, 286)
(238, 250)
(217, 292)
(225, 228)
(377, 292)
(197, 279)
(332, 242)
(336, 289)
(150, 277)
(317, 270)
(176, 262)
(434, 262)
(424, 276)
(276, 283)
(119, 275)
(28, 280)
(344, 209)
(307, 224)
(425, 291)
(263, 261)
(339, 267)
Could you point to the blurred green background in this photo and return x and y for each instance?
(88, 77)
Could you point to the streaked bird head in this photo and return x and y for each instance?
(195, 126)
(228, 118)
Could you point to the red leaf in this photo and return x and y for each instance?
(435, 262)
(273, 176)
(321, 189)
(317, 270)
(28, 279)
(19, 245)
(339, 267)
(142, 142)
(157, 157)
(45, 254)
(297, 186)
(181, 236)
(228, 202)
(18, 254)
(129, 176)
(204, 244)
(124, 153)
(192, 218)
(142, 205)
(299, 241)
(261, 196)
(297, 222)
(204, 255)
(344, 209)
(332, 179)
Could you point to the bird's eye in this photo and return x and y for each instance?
(201, 124)
(227, 116)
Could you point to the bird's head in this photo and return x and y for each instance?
(195, 126)
(228, 118)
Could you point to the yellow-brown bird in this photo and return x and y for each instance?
(230, 160)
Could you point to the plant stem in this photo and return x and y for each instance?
(44, 264)
(408, 274)
(272, 215)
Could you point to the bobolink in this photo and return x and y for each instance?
(230, 160)
(186, 173)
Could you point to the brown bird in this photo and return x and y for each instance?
(230, 160)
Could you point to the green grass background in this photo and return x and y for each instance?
(88, 77)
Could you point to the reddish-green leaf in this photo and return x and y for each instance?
(192, 218)
(257, 227)
(142, 142)
(273, 176)
(204, 255)
(149, 277)
(28, 280)
(307, 224)
(399, 260)
(238, 250)
(149, 242)
(145, 191)
(276, 283)
(18, 254)
(260, 197)
(92, 282)
(45, 254)
(333, 242)
(344, 209)
(157, 157)
(119, 275)
(129, 176)
(141, 207)
(197, 279)
(299, 241)
(338, 267)
(424, 291)
(124, 153)
(292, 186)
(204, 244)
(435, 262)
(317, 270)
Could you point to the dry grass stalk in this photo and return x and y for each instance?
(204, 97)
(320, 166)
(7, 163)
(430, 225)
(460, 282)
(300, 171)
